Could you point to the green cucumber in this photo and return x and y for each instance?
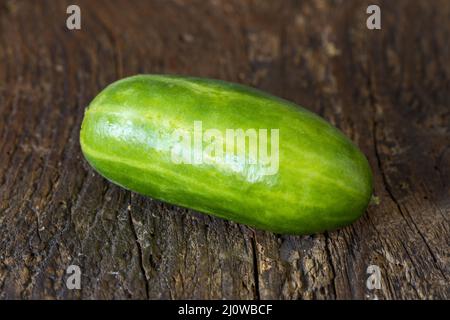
(227, 150)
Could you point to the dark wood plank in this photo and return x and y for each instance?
(388, 90)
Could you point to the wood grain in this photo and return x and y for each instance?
(388, 90)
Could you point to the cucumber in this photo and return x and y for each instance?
(226, 150)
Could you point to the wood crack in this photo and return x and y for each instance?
(330, 261)
(255, 266)
(140, 253)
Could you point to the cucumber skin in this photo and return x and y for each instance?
(324, 182)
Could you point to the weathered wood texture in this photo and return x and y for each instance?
(388, 90)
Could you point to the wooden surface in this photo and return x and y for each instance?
(388, 90)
